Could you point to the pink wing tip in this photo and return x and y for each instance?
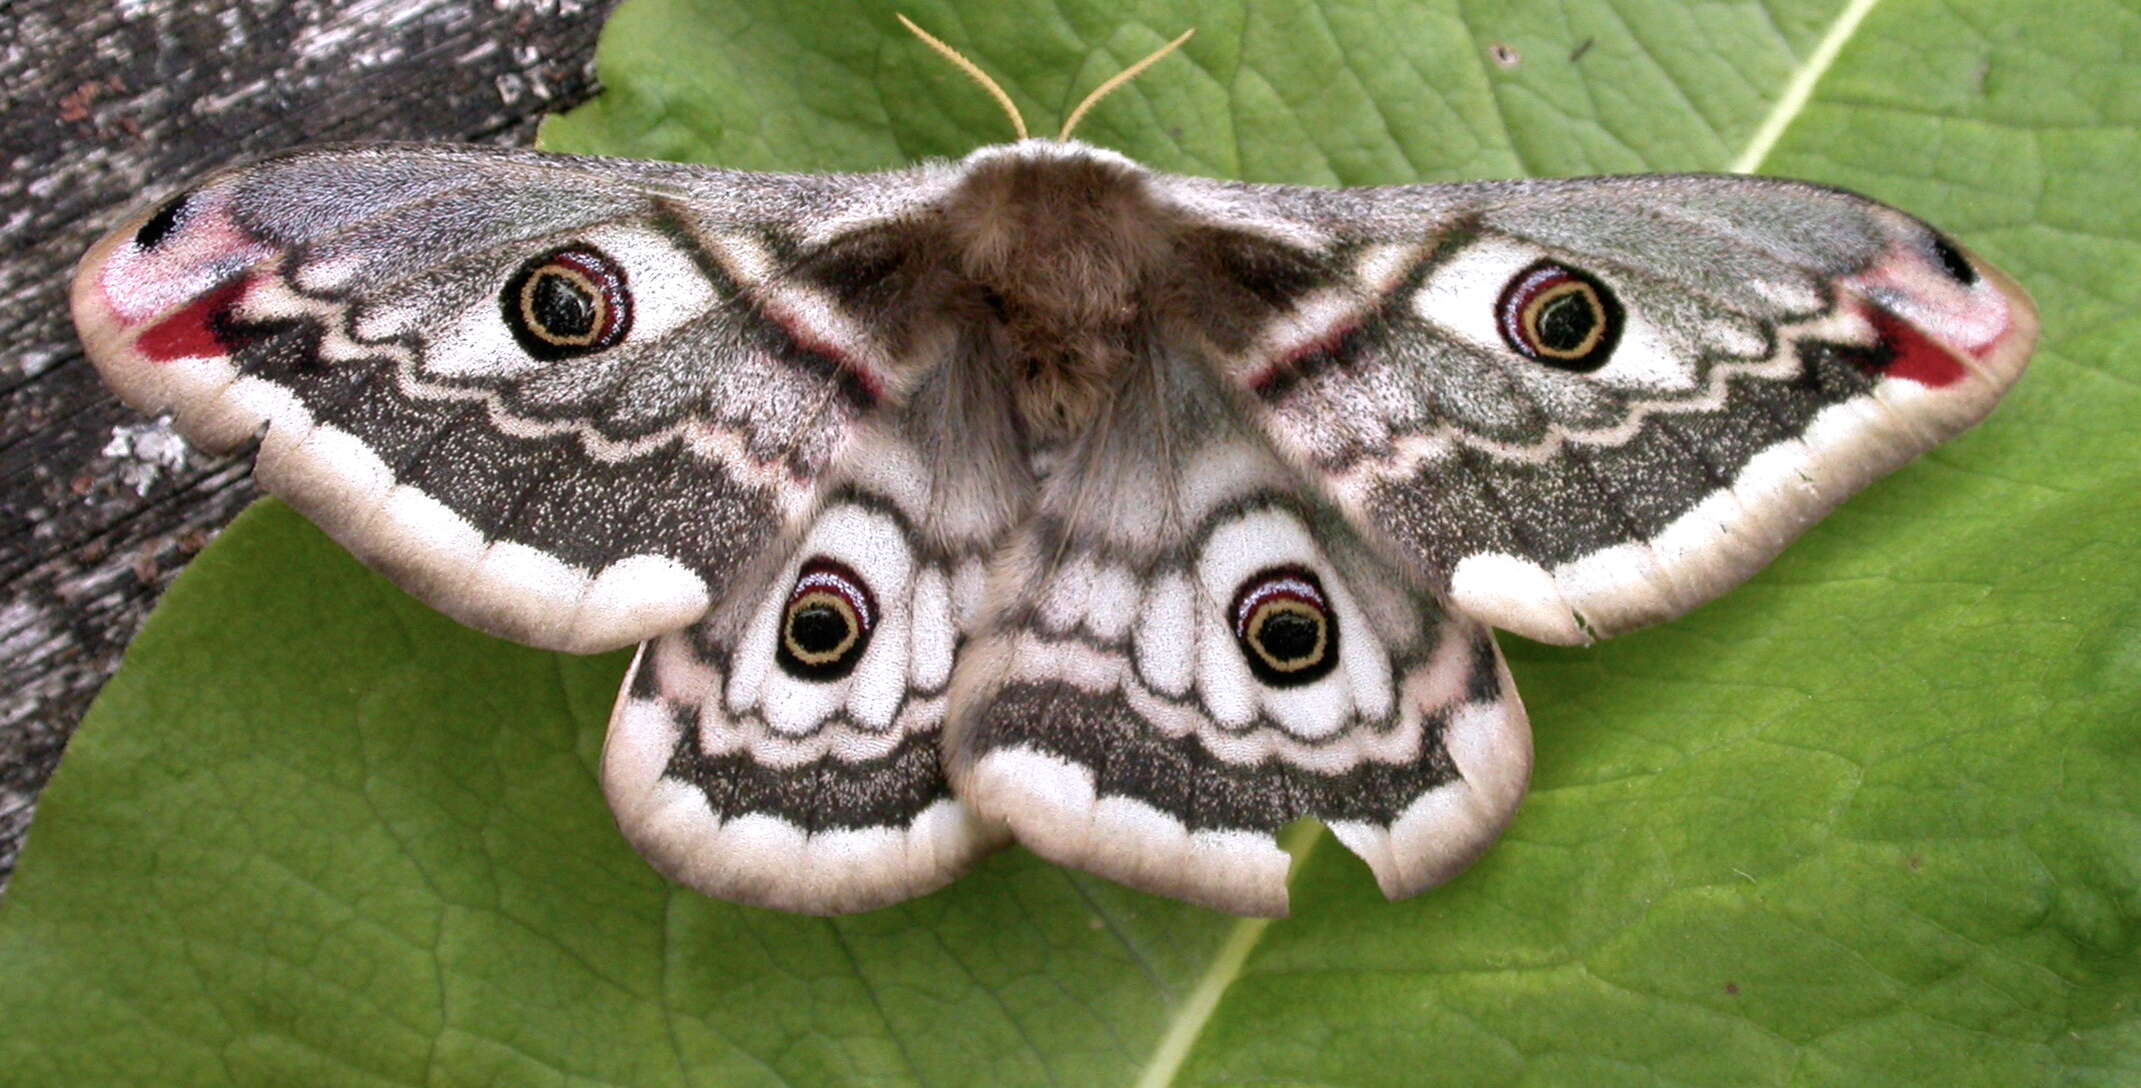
(164, 266)
(1939, 317)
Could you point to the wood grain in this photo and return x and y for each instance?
(111, 103)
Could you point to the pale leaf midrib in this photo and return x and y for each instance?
(1189, 1019)
(1799, 89)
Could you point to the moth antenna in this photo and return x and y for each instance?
(973, 72)
(1125, 76)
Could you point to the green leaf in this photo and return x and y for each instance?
(1874, 818)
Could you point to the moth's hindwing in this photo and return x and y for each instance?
(561, 400)
(1135, 516)
(1585, 406)
(1180, 663)
(786, 751)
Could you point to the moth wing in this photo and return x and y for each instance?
(558, 399)
(786, 750)
(1118, 715)
(1766, 348)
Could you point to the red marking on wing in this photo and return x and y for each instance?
(1913, 356)
(1332, 346)
(872, 386)
(191, 332)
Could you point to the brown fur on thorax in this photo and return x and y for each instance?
(1064, 249)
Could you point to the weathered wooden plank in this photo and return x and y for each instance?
(106, 104)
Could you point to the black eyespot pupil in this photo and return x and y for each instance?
(1953, 260)
(568, 302)
(826, 624)
(1283, 622)
(1565, 321)
(1289, 636)
(160, 225)
(563, 308)
(1563, 317)
(818, 628)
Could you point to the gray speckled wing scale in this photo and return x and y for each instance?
(1039, 495)
(786, 750)
(1585, 406)
(562, 400)
(1178, 664)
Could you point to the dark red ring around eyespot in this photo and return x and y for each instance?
(1282, 584)
(609, 278)
(823, 574)
(1529, 287)
(585, 267)
(1295, 585)
(823, 584)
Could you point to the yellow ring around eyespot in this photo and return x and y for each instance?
(578, 279)
(1264, 614)
(839, 604)
(1559, 291)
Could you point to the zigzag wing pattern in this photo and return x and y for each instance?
(1586, 406)
(560, 400)
(1040, 496)
(786, 750)
(1178, 665)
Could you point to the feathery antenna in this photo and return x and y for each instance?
(1018, 124)
(973, 72)
(1110, 87)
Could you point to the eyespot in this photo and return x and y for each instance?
(827, 623)
(1952, 259)
(1285, 627)
(1559, 316)
(568, 302)
(159, 226)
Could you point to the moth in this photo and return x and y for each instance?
(1040, 496)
